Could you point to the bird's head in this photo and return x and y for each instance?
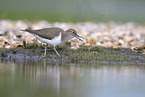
(74, 34)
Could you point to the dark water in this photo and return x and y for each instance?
(42, 79)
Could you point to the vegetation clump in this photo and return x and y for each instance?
(82, 54)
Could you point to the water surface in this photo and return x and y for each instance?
(35, 79)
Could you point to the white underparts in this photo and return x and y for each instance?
(55, 41)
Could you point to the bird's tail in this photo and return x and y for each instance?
(25, 30)
(28, 29)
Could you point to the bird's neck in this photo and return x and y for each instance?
(65, 38)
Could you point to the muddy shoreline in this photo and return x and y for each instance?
(81, 55)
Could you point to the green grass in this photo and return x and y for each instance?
(99, 54)
(59, 17)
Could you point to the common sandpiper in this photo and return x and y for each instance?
(54, 36)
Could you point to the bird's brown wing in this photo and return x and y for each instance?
(48, 33)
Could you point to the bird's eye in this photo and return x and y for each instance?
(73, 32)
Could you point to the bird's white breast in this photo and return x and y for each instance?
(55, 41)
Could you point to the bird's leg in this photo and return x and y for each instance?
(45, 50)
(56, 52)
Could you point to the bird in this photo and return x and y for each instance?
(54, 36)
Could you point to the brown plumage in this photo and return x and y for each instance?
(47, 33)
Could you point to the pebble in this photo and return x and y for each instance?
(107, 34)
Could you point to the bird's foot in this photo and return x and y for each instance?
(58, 54)
(42, 57)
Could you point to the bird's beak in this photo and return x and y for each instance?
(79, 37)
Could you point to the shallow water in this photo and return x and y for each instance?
(40, 78)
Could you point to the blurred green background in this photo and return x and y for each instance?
(73, 10)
